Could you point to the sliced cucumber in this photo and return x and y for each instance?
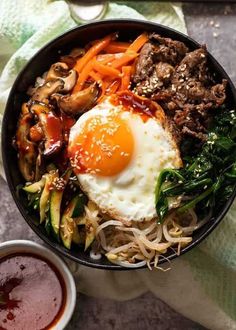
(79, 208)
(45, 196)
(68, 225)
(55, 206)
(90, 233)
(80, 220)
(35, 187)
(48, 226)
(76, 238)
(34, 201)
(54, 211)
(79, 235)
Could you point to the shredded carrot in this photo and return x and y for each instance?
(104, 61)
(96, 77)
(93, 51)
(125, 81)
(117, 47)
(138, 43)
(83, 76)
(105, 84)
(105, 69)
(113, 87)
(105, 58)
(126, 58)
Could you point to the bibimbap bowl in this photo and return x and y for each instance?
(129, 239)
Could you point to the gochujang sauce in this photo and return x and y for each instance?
(32, 293)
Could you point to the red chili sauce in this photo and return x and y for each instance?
(137, 104)
(32, 293)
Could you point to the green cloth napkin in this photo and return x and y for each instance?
(201, 285)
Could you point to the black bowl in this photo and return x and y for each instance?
(36, 67)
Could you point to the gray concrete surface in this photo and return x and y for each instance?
(210, 24)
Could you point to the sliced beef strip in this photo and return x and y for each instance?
(150, 85)
(157, 81)
(158, 50)
(168, 50)
(197, 135)
(164, 72)
(193, 98)
(144, 65)
(191, 82)
(181, 83)
(173, 129)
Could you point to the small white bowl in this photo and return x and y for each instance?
(23, 246)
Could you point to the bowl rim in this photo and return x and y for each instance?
(59, 248)
(26, 246)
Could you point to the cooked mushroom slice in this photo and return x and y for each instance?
(70, 59)
(61, 71)
(69, 81)
(77, 52)
(36, 133)
(39, 107)
(27, 150)
(51, 127)
(78, 102)
(57, 70)
(39, 167)
(44, 91)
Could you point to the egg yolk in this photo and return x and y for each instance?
(104, 146)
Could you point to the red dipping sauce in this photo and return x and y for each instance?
(32, 293)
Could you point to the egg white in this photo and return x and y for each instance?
(129, 195)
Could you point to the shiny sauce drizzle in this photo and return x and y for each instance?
(146, 108)
(32, 293)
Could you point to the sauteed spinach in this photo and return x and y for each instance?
(207, 180)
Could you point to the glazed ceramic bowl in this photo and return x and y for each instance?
(36, 67)
(29, 247)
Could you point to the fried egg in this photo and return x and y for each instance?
(117, 155)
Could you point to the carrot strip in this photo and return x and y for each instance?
(138, 43)
(92, 52)
(113, 87)
(105, 69)
(105, 84)
(83, 76)
(125, 81)
(96, 77)
(105, 58)
(126, 58)
(117, 47)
